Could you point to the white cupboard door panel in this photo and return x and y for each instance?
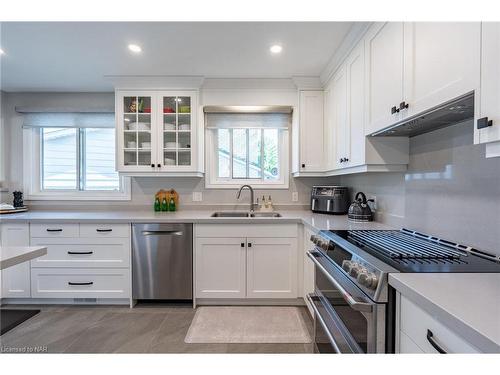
(490, 83)
(105, 230)
(340, 125)
(272, 268)
(220, 267)
(54, 230)
(384, 74)
(441, 62)
(407, 346)
(355, 134)
(16, 280)
(80, 283)
(84, 255)
(415, 322)
(311, 131)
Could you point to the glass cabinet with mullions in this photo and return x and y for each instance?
(156, 131)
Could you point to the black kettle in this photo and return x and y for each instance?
(359, 210)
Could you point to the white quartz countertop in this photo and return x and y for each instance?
(468, 303)
(312, 220)
(13, 255)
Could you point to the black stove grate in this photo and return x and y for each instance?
(407, 246)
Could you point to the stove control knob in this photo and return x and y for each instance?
(368, 279)
(325, 245)
(346, 265)
(355, 269)
(315, 239)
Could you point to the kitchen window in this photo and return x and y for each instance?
(247, 148)
(70, 158)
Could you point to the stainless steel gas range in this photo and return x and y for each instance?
(354, 306)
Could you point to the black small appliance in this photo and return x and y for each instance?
(333, 200)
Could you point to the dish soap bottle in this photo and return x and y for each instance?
(157, 204)
(269, 205)
(171, 204)
(164, 204)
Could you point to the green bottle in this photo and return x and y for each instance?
(157, 204)
(164, 204)
(171, 204)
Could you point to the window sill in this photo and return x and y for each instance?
(230, 185)
(82, 196)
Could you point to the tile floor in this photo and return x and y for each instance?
(144, 329)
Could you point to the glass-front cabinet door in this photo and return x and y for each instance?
(135, 132)
(177, 130)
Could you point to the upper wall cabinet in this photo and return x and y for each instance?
(156, 132)
(412, 67)
(488, 125)
(384, 73)
(311, 147)
(441, 62)
(345, 113)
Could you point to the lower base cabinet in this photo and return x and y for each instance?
(254, 263)
(415, 324)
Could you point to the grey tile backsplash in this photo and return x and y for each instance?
(450, 189)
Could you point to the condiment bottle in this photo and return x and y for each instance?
(164, 204)
(157, 204)
(171, 204)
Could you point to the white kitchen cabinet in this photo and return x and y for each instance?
(16, 280)
(441, 62)
(220, 267)
(489, 101)
(354, 152)
(414, 327)
(308, 266)
(384, 48)
(156, 133)
(311, 139)
(271, 268)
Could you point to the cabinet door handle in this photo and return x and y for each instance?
(249, 244)
(152, 165)
(403, 105)
(87, 283)
(103, 230)
(54, 230)
(430, 338)
(158, 165)
(242, 244)
(303, 165)
(394, 110)
(484, 123)
(80, 252)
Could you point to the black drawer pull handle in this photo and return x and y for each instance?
(249, 244)
(80, 252)
(430, 338)
(87, 283)
(54, 230)
(484, 123)
(242, 244)
(394, 110)
(104, 230)
(403, 105)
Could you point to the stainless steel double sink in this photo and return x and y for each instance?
(245, 214)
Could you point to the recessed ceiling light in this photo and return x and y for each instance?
(135, 48)
(276, 48)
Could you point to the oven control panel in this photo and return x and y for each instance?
(355, 267)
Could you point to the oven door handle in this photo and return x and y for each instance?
(355, 305)
(318, 316)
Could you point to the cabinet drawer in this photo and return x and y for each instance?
(407, 346)
(415, 323)
(54, 230)
(104, 230)
(80, 283)
(85, 256)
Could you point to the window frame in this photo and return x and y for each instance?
(212, 181)
(32, 173)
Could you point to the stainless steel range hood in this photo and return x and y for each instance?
(450, 113)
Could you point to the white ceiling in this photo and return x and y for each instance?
(52, 56)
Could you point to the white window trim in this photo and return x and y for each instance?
(31, 178)
(212, 182)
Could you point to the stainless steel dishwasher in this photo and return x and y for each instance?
(162, 261)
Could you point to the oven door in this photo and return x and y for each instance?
(344, 315)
